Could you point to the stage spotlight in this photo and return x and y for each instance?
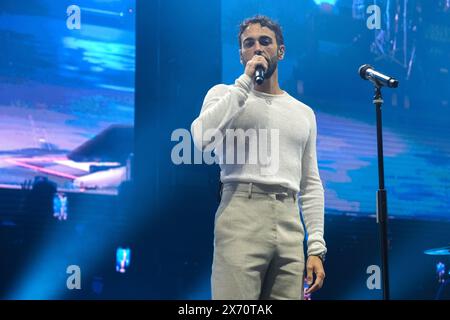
(122, 259)
(60, 206)
(440, 270)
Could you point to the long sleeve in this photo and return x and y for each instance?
(312, 194)
(220, 106)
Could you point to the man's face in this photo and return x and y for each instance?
(256, 39)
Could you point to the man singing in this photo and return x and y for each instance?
(258, 233)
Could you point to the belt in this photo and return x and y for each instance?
(251, 187)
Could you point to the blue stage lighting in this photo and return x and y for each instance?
(320, 2)
(440, 270)
(122, 259)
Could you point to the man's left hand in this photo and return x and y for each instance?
(314, 266)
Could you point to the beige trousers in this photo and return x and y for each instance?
(258, 244)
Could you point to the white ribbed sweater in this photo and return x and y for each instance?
(239, 106)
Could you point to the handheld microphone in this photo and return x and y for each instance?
(259, 72)
(367, 72)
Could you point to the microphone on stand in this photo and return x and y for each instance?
(367, 72)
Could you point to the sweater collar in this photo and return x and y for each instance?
(268, 95)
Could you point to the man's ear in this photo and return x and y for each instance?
(240, 57)
(281, 51)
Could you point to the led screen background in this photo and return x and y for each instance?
(326, 42)
(61, 86)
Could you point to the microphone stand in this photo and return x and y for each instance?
(382, 217)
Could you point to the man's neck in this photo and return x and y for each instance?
(270, 85)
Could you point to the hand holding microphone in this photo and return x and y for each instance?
(256, 67)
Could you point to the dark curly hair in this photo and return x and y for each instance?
(264, 22)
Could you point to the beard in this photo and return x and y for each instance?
(272, 62)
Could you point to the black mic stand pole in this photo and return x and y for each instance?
(382, 216)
